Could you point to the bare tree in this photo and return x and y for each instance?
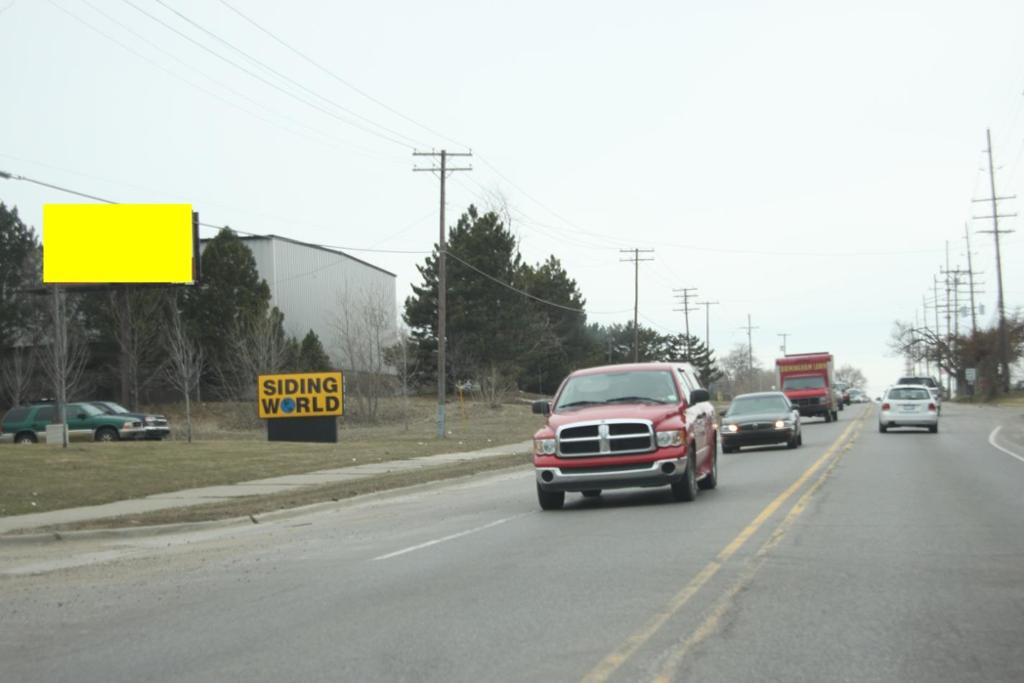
(258, 346)
(404, 359)
(17, 375)
(134, 316)
(185, 362)
(63, 356)
(365, 329)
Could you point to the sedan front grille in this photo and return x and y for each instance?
(757, 427)
(609, 437)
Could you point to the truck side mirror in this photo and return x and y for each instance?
(541, 407)
(699, 396)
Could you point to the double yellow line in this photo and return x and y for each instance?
(611, 663)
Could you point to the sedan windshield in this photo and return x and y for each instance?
(816, 382)
(758, 405)
(640, 386)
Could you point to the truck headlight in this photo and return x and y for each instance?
(673, 437)
(544, 446)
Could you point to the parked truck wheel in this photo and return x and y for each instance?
(550, 500)
(107, 434)
(25, 437)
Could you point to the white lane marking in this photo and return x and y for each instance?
(992, 442)
(450, 537)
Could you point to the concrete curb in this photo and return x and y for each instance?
(113, 533)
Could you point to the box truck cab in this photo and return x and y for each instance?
(806, 379)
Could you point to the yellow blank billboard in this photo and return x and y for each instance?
(119, 243)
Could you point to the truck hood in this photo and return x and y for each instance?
(617, 411)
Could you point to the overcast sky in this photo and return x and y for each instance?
(803, 162)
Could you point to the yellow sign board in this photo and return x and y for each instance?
(119, 243)
(306, 394)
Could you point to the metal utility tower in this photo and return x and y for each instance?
(442, 282)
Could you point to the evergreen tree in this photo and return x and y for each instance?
(488, 324)
(230, 296)
(312, 357)
(19, 270)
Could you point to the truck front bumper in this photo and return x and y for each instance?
(656, 473)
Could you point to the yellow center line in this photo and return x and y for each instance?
(611, 663)
(710, 624)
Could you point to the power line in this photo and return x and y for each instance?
(280, 75)
(336, 77)
(265, 81)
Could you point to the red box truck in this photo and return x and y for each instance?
(806, 379)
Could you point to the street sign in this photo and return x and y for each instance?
(971, 374)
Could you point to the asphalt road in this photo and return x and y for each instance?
(858, 557)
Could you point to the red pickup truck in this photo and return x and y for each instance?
(619, 426)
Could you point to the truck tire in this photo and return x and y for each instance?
(835, 416)
(828, 416)
(107, 434)
(686, 490)
(550, 500)
(25, 437)
(592, 493)
(710, 481)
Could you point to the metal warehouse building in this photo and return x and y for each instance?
(326, 290)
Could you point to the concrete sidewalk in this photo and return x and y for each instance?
(259, 487)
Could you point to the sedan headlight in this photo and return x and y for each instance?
(780, 424)
(731, 428)
(670, 438)
(544, 446)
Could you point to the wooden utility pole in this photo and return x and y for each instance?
(442, 281)
(686, 294)
(750, 346)
(707, 321)
(635, 259)
(784, 336)
(994, 199)
(970, 278)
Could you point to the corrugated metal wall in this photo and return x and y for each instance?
(315, 288)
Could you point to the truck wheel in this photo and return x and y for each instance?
(828, 416)
(25, 437)
(686, 490)
(550, 500)
(711, 480)
(593, 493)
(106, 434)
(835, 416)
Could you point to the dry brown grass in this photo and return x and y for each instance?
(34, 478)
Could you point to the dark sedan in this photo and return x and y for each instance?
(760, 419)
(156, 427)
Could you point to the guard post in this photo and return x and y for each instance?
(302, 406)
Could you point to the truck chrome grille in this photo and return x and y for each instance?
(607, 437)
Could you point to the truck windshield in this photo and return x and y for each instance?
(640, 386)
(816, 382)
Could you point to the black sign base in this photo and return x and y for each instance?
(323, 429)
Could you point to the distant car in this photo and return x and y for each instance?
(844, 389)
(86, 422)
(908, 405)
(760, 419)
(841, 399)
(156, 426)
